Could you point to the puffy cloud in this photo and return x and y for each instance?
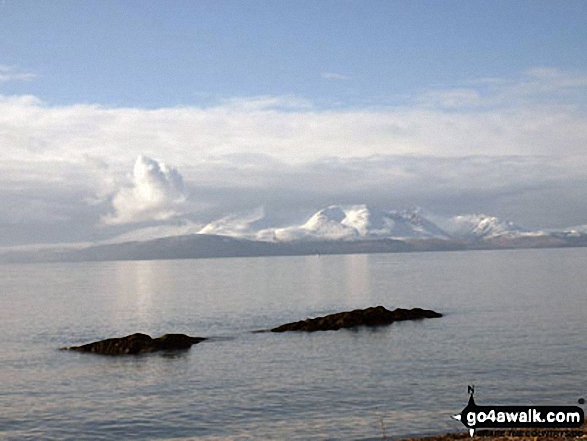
(156, 193)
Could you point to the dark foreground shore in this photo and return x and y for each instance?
(511, 435)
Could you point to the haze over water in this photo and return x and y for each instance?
(513, 326)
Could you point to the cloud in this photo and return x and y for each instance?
(334, 76)
(511, 147)
(53, 203)
(508, 186)
(536, 86)
(155, 232)
(532, 115)
(13, 73)
(266, 103)
(450, 98)
(156, 193)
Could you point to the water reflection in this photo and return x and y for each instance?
(137, 285)
(350, 281)
(357, 277)
(315, 276)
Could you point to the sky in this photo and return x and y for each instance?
(117, 116)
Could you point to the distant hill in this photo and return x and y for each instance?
(210, 246)
(332, 230)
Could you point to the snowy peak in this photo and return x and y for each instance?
(361, 222)
(481, 226)
(358, 222)
(327, 223)
(416, 223)
(576, 230)
(366, 221)
(243, 225)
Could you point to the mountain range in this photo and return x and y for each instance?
(333, 230)
(359, 222)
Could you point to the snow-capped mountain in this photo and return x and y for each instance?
(360, 222)
(481, 226)
(333, 230)
(245, 225)
(576, 231)
(356, 222)
(327, 223)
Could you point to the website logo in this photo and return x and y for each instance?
(514, 417)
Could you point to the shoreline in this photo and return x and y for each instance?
(545, 434)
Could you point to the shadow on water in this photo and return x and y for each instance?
(175, 354)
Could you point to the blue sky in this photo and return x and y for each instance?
(153, 53)
(116, 116)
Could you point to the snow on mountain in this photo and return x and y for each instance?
(355, 222)
(363, 222)
(575, 231)
(415, 223)
(360, 222)
(245, 225)
(325, 224)
(481, 226)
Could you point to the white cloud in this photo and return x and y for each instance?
(156, 193)
(334, 76)
(537, 86)
(535, 115)
(515, 145)
(266, 102)
(156, 232)
(450, 98)
(556, 78)
(13, 73)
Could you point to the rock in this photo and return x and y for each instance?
(138, 344)
(375, 316)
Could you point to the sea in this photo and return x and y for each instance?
(513, 326)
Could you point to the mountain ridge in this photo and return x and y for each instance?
(357, 222)
(349, 229)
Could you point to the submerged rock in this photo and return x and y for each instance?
(375, 316)
(138, 344)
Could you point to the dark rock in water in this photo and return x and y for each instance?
(138, 344)
(377, 316)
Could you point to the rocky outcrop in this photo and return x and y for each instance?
(375, 316)
(138, 344)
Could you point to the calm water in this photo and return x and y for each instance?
(514, 326)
